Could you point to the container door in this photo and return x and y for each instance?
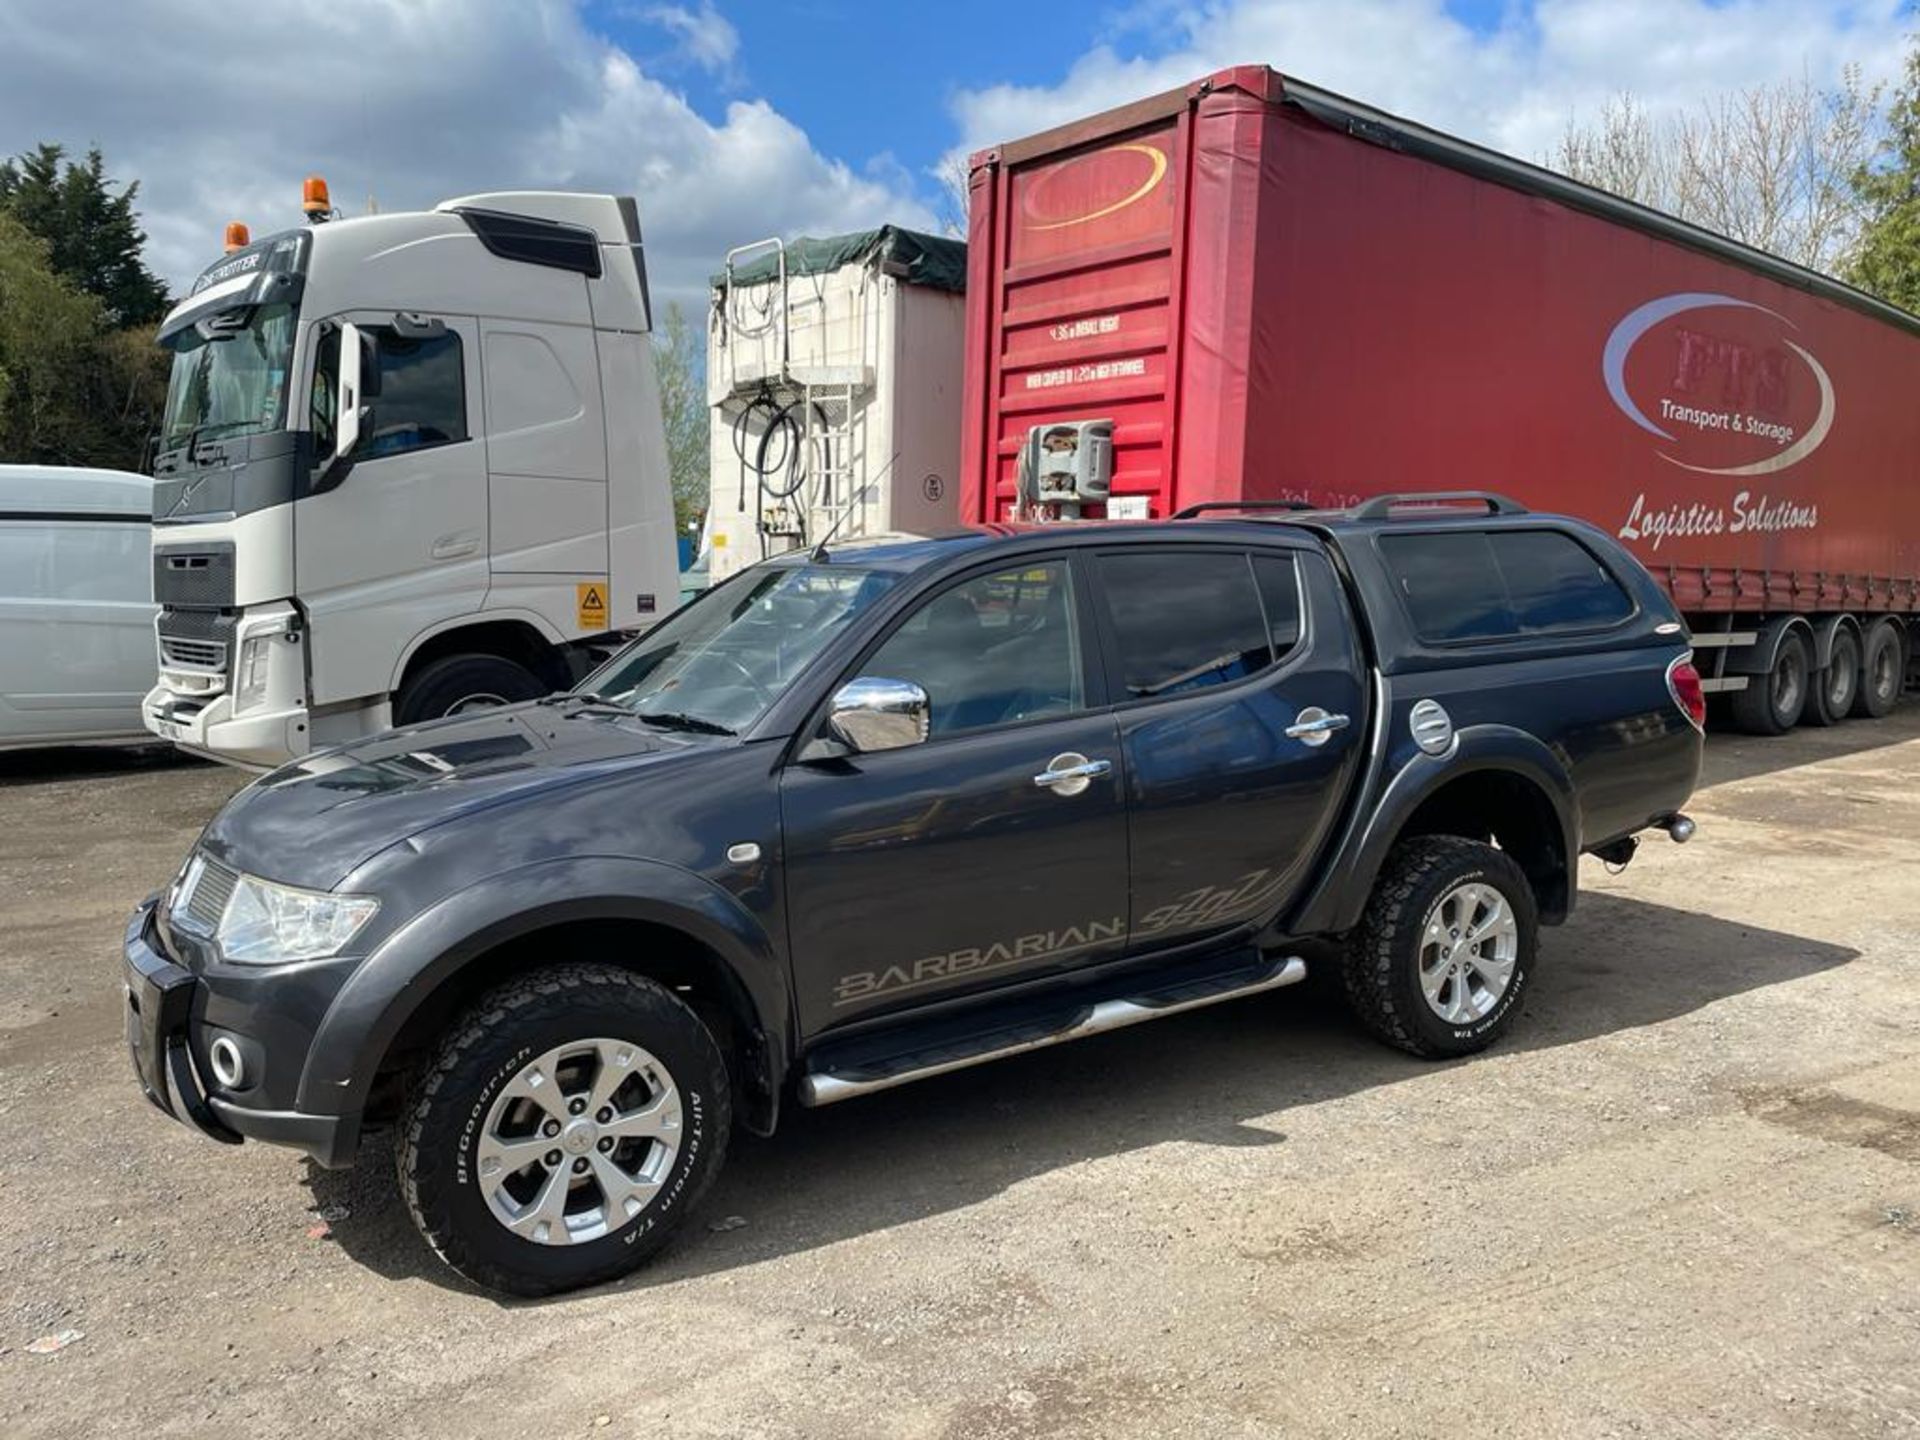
(400, 544)
(919, 873)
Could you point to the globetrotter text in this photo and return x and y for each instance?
(1748, 513)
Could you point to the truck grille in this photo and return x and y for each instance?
(198, 579)
(209, 889)
(194, 654)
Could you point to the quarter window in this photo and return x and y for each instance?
(1472, 585)
(1185, 620)
(993, 650)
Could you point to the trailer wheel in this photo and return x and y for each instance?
(1442, 956)
(564, 1130)
(1773, 703)
(1881, 679)
(459, 683)
(1839, 684)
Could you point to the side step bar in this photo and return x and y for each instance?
(828, 1087)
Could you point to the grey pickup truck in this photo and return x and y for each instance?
(882, 811)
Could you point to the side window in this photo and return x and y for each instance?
(1279, 581)
(1555, 583)
(993, 650)
(321, 402)
(1471, 585)
(1185, 619)
(422, 399)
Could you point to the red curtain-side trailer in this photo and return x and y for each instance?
(1273, 293)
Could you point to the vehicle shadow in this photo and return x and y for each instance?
(1733, 756)
(87, 762)
(949, 1142)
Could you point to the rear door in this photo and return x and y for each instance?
(1242, 707)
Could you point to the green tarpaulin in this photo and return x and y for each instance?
(916, 258)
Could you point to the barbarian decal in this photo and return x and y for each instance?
(1753, 378)
(1044, 945)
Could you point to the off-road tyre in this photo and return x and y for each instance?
(459, 682)
(1882, 673)
(1774, 701)
(1836, 687)
(1382, 959)
(440, 1124)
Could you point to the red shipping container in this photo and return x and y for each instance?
(1276, 293)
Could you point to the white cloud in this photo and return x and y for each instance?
(1515, 87)
(707, 37)
(220, 109)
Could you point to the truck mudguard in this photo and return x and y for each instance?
(410, 967)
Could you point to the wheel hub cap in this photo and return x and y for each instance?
(1468, 949)
(579, 1142)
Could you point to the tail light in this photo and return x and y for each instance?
(1683, 683)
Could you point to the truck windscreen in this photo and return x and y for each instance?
(233, 384)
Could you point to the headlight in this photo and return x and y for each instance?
(256, 654)
(268, 924)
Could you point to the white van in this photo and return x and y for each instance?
(76, 605)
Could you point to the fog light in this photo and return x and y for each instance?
(229, 1069)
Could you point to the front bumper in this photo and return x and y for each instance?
(165, 1002)
(264, 740)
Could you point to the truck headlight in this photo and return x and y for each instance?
(269, 924)
(256, 656)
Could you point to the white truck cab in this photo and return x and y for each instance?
(411, 464)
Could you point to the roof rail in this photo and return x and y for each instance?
(1381, 506)
(1192, 510)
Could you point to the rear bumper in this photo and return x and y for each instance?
(164, 1003)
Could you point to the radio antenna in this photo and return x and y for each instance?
(859, 493)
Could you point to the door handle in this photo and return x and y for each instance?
(1070, 773)
(452, 547)
(1315, 726)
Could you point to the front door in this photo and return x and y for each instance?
(400, 544)
(925, 872)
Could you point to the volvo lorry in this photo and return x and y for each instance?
(1251, 289)
(411, 464)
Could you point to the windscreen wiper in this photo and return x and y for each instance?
(679, 720)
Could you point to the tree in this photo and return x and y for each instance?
(1887, 187)
(47, 332)
(680, 362)
(1772, 166)
(93, 235)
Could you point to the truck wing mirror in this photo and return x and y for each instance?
(872, 713)
(359, 383)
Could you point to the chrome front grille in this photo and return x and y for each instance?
(204, 893)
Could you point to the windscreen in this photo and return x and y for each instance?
(234, 384)
(720, 663)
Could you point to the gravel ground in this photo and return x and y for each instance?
(1683, 1199)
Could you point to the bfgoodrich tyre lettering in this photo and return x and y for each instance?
(1383, 960)
(566, 1011)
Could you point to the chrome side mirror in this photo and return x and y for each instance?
(872, 713)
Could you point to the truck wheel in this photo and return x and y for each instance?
(1880, 677)
(564, 1130)
(459, 683)
(1773, 703)
(1833, 697)
(1441, 958)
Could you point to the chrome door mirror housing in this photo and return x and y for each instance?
(874, 713)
